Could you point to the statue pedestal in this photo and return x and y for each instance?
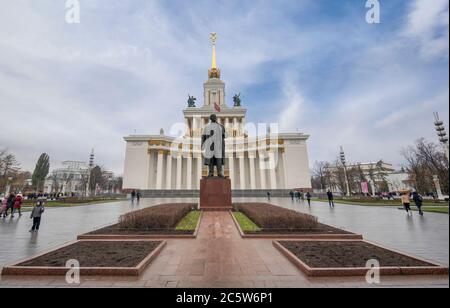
(215, 194)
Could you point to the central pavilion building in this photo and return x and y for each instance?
(160, 165)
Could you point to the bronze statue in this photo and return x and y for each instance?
(213, 144)
(237, 100)
(191, 101)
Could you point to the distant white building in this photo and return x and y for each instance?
(396, 180)
(70, 178)
(399, 180)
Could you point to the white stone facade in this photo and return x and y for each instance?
(254, 161)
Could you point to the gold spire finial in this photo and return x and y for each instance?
(214, 72)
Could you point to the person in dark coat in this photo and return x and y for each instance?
(133, 195)
(10, 203)
(138, 196)
(330, 198)
(308, 198)
(292, 195)
(418, 200)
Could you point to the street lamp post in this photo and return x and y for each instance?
(442, 134)
(343, 161)
(443, 139)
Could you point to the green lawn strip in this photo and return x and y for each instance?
(245, 223)
(381, 203)
(65, 204)
(431, 209)
(189, 222)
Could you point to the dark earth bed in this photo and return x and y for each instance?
(321, 229)
(97, 254)
(347, 254)
(114, 230)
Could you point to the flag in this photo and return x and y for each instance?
(217, 107)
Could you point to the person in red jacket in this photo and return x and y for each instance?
(17, 205)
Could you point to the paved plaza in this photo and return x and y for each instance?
(219, 257)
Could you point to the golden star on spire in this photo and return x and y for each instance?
(214, 72)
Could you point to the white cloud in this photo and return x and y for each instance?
(428, 23)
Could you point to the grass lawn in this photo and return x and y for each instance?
(245, 223)
(431, 209)
(189, 222)
(66, 204)
(381, 202)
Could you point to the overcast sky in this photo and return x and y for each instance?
(313, 66)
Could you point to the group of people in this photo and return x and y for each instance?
(12, 203)
(406, 201)
(136, 195)
(300, 196)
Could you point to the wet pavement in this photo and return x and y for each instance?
(219, 257)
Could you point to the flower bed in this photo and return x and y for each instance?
(171, 220)
(275, 221)
(128, 258)
(350, 258)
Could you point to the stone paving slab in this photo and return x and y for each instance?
(219, 257)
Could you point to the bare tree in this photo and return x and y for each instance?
(423, 160)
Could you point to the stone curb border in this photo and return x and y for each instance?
(294, 236)
(433, 269)
(141, 236)
(15, 270)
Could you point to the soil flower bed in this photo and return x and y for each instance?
(114, 257)
(350, 257)
(274, 220)
(97, 254)
(166, 219)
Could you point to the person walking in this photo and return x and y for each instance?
(406, 202)
(292, 195)
(36, 215)
(308, 198)
(418, 200)
(3, 206)
(133, 195)
(330, 198)
(138, 196)
(10, 203)
(17, 205)
(268, 195)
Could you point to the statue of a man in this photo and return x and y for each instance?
(237, 100)
(213, 144)
(191, 101)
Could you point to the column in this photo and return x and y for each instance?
(231, 166)
(199, 170)
(179, 169)
(189, 172)
(169, 172)
(159, 169)
(242, 171)
(262, 173)
(273, 166)
(188, 129)
(251, 159)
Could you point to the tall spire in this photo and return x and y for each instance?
(213, 41)
(214, 72)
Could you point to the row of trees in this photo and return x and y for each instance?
(326, 175)
(99, 180)
(423, 161)
(11, 175)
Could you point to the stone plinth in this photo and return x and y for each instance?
(215, 194)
